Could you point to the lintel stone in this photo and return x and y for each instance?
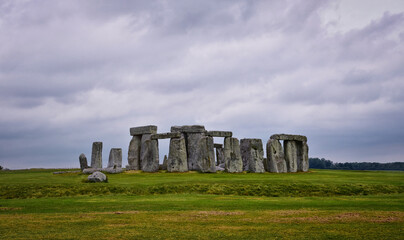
(188, 129)
(289, 137)
(165, 135)
(150, 129)
(219, 133)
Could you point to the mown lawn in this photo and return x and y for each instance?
(321, 204)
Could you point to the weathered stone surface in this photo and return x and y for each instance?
(275, 161)
(188, 129)
(219, 156)
(115, 158)
(206, 155)
(232, 155)
(112, 170)
(150, 129)
(134, 153)
(97, 177)
(177, 156)
(96, 155)
(252, 154)
(149, 154)
(289, 137)
(218, 145)
(165, 135)
(83, 162)
(164, 165)
(193, 149)
(291, 155)
(219, 133)
(220, 168)
(303, 157)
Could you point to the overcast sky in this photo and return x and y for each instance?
(74, 72)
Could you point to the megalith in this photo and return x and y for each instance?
(115, 158)
(96, 155)
(252, 154)
(149, 154)
(232, 155)
(177, 156)
(220, 156)
(291, 155)
(206, 155)
(303, 160)
(275, 161)
(83, 162)
(134, 153)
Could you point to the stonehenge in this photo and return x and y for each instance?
(193, 148)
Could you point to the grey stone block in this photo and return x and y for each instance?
(219, 156)
(206, 156)
(150, 129)
(219, 133)
(149, 154)
(188, 129)
(291, 155)
(134, 153)
(275, 161)
(193, 149)
(289, 137)
(232, 155)
(303, 157)
(252, 154)
(97, 177)
(96, 155)
(115, 158)
(177, 156)
(165, 135)
(83, 162)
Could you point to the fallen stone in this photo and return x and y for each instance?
(188, 129)
(83, 162)
(115, 158)
(219, 134)
(150, 129)
(62, 172)
(91, 170)
(177, 156)
(219, 156)
(232, 155)
(193, 149)
(206, 156)
(134, 153)
(97, 177)
(289, 137)
(149, 154)
(112, 170)
(165, 135)
(291, 155)
(252, 154)
(96, 155)
(275, 157)
(219, 168)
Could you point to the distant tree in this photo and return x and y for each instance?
(322, 163)
(1, 167)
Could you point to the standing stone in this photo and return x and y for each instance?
(164, 165)
(232, 155)
(303, 160)
(206, 155)
(134, 153)
(96, 155)
(193, 149)
(252, 154)
(149, 154)
(177, 156)
(115, 158)
(220, 156)
(275, 157)
(83, 162)
(291, 155)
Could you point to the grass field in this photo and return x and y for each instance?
(320, 204)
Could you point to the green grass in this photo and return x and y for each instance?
(321, 204)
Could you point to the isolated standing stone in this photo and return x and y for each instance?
(149, 154)
(291, 155)
(96, 155)
(83, 162)
(252, 154)
(275, 161)
(232, 155)
(206, 155)
(177, 156)
(115, 158)
(134, 153)
(97, 177)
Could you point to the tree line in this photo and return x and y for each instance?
(322, 163)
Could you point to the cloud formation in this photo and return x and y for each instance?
(72, 73)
